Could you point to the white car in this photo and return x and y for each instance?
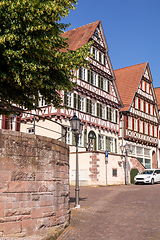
(148, 176)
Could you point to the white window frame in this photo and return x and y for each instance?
(112, 147)
(104, 84)
(102, 142)
(135, 125)
(140, 126)
(82, 104)
(142, 102)
(146, 107)
(155, 131)
(136, 102)
(94, 108)
(83, 73)
(103, 111)
(145, 128)
(150, 130)
(94, 79)
(129, 122)
(68, 135)
(69, 99)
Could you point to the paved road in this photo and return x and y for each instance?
(115, 212)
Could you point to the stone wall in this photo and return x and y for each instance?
(34, 184)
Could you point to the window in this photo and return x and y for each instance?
(141, 105)
(67, 99)
(81, 103)
(145, 128)
(133, 149)
(112, 114)
(136, 102)
(155, 131)
(146, 107)
(109, 113)
(103, 112)
(104, 84)
(147, 87)
(100, 142)
(82, 73)
(150, 130)
(42, 102)
(112, 144)
(68, 135)
(141, 126)
(80, 142)
(99, 110)
(135, 125)
(129, 122)
(151, 109)
(94, 108)
(88, 105)
(146, 152)
(139, 151)
(95, 54)
(114, 172)
(30, 130)
(148, 163)
(94, 79)
(100, 81)
(108, 86)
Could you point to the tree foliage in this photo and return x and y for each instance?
(31, 55)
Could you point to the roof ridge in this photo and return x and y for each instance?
(83, 26)
(131, 66)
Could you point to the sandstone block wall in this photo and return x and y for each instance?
(34, 183)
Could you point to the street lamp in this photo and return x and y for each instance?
(127, 148)
(77, 128)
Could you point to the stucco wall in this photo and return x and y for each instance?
(93, 169)
(34, 183)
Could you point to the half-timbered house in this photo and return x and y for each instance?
(157, 91)
(139, 116)
(96, 103)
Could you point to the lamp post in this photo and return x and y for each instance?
(77, 128)
(127, 148)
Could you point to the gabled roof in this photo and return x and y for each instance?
(127, 81)
(80, 36)
(157, 92)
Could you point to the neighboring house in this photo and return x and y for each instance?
(157, 91)
(11, 122)
(139, 117)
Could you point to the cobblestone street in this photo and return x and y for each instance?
(115, 212)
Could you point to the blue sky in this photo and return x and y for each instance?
(131, 27)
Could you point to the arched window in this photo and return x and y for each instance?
(91, 141)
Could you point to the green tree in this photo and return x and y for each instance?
(33, 54)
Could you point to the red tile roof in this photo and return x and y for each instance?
(157, 92)
(80, 36)
(127, 81)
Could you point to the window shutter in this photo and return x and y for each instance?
(89, 75)
(65, 98)
(80, 73)
(115, 145)
(139, 103)
(116, 116)
(18, 124)
(100, 105)
(99, 81)
(78, 102)
(107, 113)
(90, 106)
(141, 84)
(64, 137)
(110, 117)
(145, 86)
(149, 108)
(143, 127)
(75, 100)
(104, 60)
(126, 121)
(108, 86)
(108, 144)
(85, 138)
(98, 110)
(87, 105)
(138, 124)
(100, 57)
(99, 142)
(93, 52)
(73, 140)
(132, 123)
(153, 130)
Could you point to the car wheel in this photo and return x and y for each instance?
(152, 181)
